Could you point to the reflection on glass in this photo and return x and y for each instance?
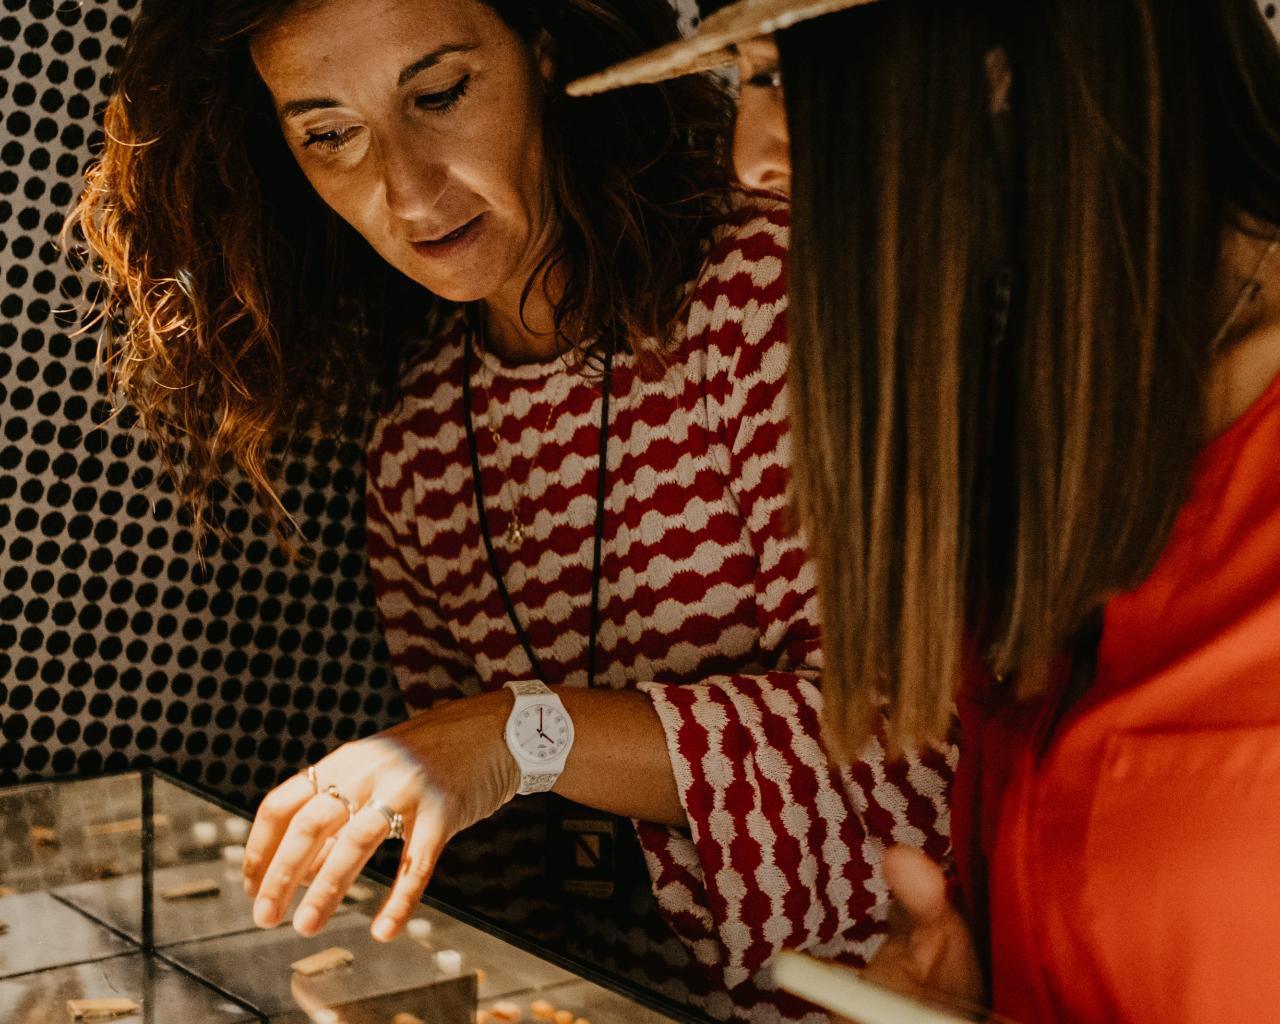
(124, 896)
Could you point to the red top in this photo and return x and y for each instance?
(1133, 872)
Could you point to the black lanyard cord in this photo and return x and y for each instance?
(478, 487)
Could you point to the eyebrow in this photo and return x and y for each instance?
(295, 107)
(431, 59)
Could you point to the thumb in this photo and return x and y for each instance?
(917, 883)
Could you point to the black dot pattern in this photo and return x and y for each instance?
(120, 643)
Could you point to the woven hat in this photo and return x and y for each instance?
(709, 46)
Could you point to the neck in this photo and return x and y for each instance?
(521, 336)
(523, 331)
(1250, 352)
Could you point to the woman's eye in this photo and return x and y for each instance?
(442, 102)
(769, 78)
(331, 140)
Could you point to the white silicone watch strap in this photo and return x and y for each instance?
(536, 783)
(527, 687)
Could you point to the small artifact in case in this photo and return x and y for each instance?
(43, 835)
(505, 1012)
(321, 963)
(101, 1009)
(200, 888)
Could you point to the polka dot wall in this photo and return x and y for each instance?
(117, 645)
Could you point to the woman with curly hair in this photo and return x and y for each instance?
(577, 512)
(1035, 286)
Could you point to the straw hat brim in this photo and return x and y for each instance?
(710, 46)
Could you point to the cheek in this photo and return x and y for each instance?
(765, 115)
(514, 148)
(351, 197)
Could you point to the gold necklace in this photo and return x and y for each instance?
(517, 529)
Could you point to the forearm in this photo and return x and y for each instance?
(619, 762)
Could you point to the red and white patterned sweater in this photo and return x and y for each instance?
(707, 605)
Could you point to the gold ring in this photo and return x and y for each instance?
(338, 795)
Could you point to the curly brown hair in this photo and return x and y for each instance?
(238, 309)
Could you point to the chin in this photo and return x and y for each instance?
(473, 280)
(457, 291)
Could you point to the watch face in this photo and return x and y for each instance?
(541, 731)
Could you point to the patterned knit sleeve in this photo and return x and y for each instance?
(782, 850)
(424, 654)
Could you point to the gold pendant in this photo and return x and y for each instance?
(515, 531)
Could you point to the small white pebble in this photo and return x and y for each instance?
(205, 833)
(418, 928)
(449, 961)
(237, 829)
(233, 855)
(324, 1016)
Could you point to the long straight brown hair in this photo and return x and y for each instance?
(1002, 320)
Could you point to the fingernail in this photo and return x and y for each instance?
(264, 913)
(383, 929)
(307, 919)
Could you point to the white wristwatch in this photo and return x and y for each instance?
(539, 735)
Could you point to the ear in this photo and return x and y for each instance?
(544, 54)
(999, 80)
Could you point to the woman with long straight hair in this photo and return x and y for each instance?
(1035, 286)
(577, 522)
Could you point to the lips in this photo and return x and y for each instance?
(450, 241)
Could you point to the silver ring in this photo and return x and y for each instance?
(313, 777)
(395, 820)
(337, 794)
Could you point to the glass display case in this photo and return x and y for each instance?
(121, 899)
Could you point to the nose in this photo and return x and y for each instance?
(761, 147)
(414, 177)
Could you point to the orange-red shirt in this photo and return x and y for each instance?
(1132, 871)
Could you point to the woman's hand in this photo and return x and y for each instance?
(442, 770)
(929, 952)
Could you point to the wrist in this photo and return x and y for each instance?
(503, 703)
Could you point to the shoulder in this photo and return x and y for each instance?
(736, 333)
(750, 247)
(420, 404)
(430, 371)
(741, 293)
